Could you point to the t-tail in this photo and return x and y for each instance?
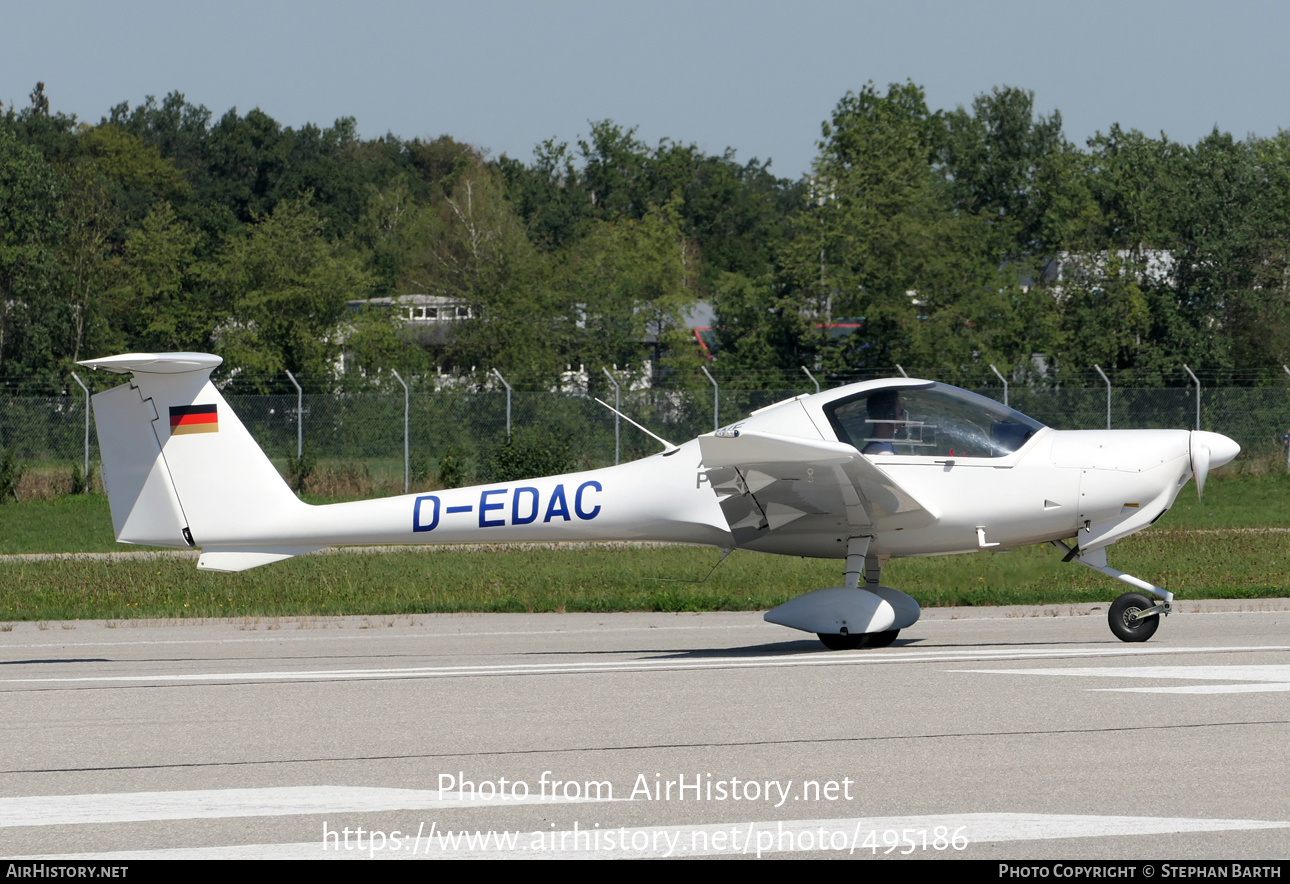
(182, 471)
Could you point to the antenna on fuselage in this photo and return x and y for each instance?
(668, 447)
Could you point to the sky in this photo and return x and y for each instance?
(755, 76)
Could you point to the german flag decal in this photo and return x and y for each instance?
(193, 419)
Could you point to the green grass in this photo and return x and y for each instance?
(597, 579)
(1233, 500)
(1183, 553)
(80, 523)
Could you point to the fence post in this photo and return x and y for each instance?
(1108, 394)
(1197, 380)
(300, 417)
(1286, 369)
(508, 403)
(716, 401)
(86, 474)
(812, 377)
(617, 405)
(1005, 383)
(406, 472)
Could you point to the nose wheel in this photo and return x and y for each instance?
(1134, 617)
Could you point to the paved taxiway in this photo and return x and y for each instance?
(1010, 734)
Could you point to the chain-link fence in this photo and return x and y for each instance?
(45, 429)
(368, 427)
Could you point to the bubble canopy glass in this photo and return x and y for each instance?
(929, 420)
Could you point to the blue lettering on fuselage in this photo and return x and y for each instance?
(577, 500)
(485, 506)
(516, 518)
(417, 524)
(558, 505)
(526, 504)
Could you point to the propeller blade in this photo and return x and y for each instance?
(1199, 466)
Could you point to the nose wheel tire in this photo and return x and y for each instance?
(843, 642)
(1126, 628)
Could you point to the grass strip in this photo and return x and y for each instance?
(1198, 550)
(1192, 564)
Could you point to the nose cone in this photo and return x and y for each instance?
(1221, 449)
(1209, 450)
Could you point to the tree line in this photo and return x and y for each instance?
(946, 241)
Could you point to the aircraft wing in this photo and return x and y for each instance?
(770, 484)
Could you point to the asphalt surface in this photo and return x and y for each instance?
(1023, 733)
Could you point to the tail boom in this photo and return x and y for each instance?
(182, 471)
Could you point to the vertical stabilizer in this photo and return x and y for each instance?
(180, 468)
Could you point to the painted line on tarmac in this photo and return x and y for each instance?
(263, 632)
(862, 658)
(1249, 679)
(925, 836)
(206, 804)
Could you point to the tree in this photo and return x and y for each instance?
(31, 317)
(89, 223)
(391, 230)
(614, 171)
(477, 252)
(287, 286)
(1230, 256)
(1186, 265)
(175, 128)
(759, 330)
(550, 195)
(133, 174)
(634, 281)
(875, 225)
(659, 278)
(160, 303)
(994, 161)
(1133, 179)
(1107, 315)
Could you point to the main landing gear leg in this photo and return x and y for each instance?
(1134, 617)
(855, 615)
(861, 567)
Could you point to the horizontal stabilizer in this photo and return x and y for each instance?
(155, 363)
(242, 560)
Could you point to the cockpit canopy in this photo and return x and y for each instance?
(929, 420)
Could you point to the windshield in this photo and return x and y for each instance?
(930, 421)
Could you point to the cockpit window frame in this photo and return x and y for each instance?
(1005, 415)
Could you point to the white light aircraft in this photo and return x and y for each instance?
(862, 473)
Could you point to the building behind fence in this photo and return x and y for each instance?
(368, 427)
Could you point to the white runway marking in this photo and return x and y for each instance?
(861, 658)
(258, 633)
(128, 807)
(865, 836)
(1248, 679)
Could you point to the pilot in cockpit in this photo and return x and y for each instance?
(885, 411)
